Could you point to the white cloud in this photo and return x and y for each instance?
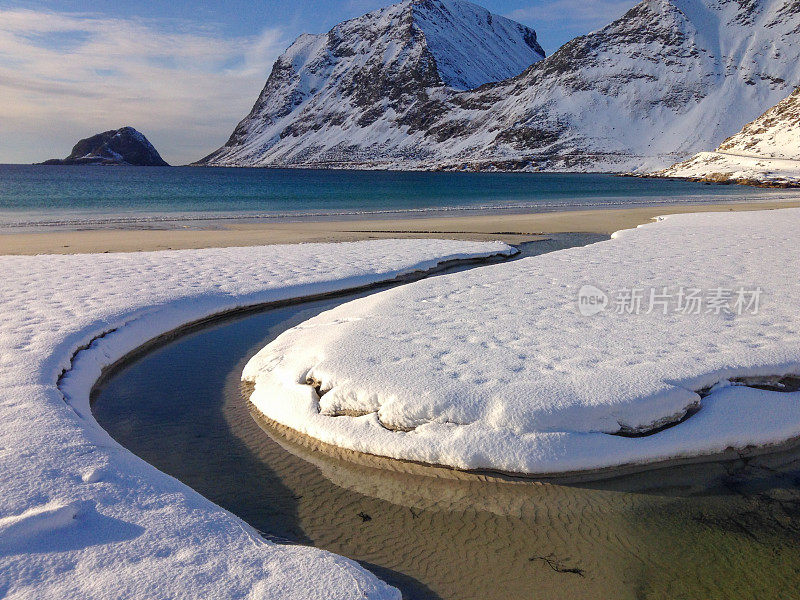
(580, 14)
(64, 76)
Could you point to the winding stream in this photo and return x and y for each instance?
(717, 530)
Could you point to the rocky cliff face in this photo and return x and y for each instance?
(124, 146)
(363, 90)
(775, 134)
(765, 152)
(669, 78)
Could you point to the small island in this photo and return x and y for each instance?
(124, 146)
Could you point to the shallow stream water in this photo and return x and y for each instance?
(716, 530)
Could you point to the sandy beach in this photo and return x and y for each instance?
(510, 228)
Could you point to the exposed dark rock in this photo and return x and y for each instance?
(124, 146)
(396, 89)
(392, 68)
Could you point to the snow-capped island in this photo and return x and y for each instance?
(626, 352)
(124, 146)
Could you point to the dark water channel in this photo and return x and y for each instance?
(718, 530)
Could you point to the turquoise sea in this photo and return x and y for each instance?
(46, 197)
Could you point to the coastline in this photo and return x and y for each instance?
(723, 179)
(510, 228)
(302, 441)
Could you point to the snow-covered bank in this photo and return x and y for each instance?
(81, 517)
(498, 368)
(724, 167)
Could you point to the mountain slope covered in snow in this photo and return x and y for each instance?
(375, 80)
(766, 151)
(666, 80)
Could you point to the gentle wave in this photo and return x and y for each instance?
(17, 222)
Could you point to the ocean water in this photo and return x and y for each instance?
(41, 198)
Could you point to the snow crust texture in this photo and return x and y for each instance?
(765, 151)
(81, 517)
(668, 79)
(497, 368)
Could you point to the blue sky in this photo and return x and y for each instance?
(182, 72)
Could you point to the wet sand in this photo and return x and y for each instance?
(718, 530)
(307, 447)
(508, 227)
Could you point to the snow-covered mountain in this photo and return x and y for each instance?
(376, 80)
(775, 134)
(669, 78)
(766, 151)
(666, 80)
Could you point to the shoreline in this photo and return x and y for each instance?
(189, 327)
(409, 466)
(441, 471)
(510, 228)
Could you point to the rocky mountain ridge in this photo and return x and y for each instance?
(666, 80)
(765, 152)
(373, 82)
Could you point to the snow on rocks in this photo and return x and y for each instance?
(725, 167)
(669, 78)
(371, 85)
(23, 527)
(498, 368)
(81, 517)
(766, 151)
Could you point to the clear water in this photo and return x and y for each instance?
(42, 197)
(719, 530)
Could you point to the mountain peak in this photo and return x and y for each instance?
(391, 67)
(415, 85)
(471, 45)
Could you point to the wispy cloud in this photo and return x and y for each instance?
(580, 14)
(66, 75)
